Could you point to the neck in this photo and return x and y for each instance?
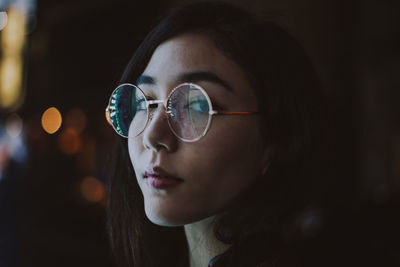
(202, 242)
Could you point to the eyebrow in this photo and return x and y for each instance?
(198, 76)
(195, 76)
(145, 79)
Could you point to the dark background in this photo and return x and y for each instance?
(75, 53)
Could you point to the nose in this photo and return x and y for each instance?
(158, 134)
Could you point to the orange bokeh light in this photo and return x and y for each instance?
(93, 190)
(76, 119)
(51, 120)
(69, 141)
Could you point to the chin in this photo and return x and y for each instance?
(166, 221)
(172, 219)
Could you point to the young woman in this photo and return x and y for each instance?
(220, 117)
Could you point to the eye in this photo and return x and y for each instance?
(198, 105)
(139, 104)
(216, 106)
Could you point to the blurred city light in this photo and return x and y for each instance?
(51, 120)
(10, 82)
(11, 64)
(93, 190)
(76, 119)
(13, 36)
(4, 159)
(69, 141)
(14, 125)
(3, 19)
(12, 144)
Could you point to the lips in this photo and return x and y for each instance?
(158, 178)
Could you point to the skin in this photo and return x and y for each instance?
(216, 169)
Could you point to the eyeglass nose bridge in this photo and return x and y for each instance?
(153, 104)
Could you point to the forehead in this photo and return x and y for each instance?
(188, 50)
(193, 52)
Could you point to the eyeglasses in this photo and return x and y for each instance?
(188, 108)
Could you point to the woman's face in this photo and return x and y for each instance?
(209, 174)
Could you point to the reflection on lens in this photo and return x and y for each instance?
(189, 112)
(128, 110)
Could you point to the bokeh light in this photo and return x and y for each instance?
(14, 125)
(51, 120)
(92, 189)
(3, 19)
(13, 36)
(12, 39)
(4, 158)
(76, 119)
(10, 81)
(69, 141)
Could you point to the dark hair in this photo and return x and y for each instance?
(291, 103)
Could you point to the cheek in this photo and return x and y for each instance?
(132, 148)
(135, 149)
(216, 169)
(227, 161)
(235, 140)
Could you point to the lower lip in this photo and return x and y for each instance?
(161, 183)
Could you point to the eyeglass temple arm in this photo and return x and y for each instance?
(212, 112)
(221, 112)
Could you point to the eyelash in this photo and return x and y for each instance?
(149, 97)
(215, 105)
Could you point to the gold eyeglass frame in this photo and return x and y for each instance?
(111, 110)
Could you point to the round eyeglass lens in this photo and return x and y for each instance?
(128, 110)
(189, 112)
